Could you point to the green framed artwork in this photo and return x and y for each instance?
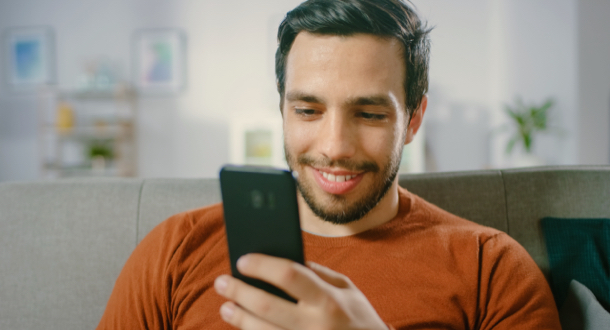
(159, 60)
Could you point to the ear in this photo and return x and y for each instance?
(416, 119)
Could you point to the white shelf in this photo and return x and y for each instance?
(101, 117)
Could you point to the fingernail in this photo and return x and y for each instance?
(221, 284)
(242, 262)
(226, 311)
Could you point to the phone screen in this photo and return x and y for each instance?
(261, 216)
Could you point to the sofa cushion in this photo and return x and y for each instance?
(581, 311)
(579, 249)
(63, 245)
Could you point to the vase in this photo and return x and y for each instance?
(526, 160)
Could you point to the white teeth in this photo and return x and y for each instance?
(337, 178)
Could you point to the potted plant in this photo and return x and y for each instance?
(527, 122)
(100, 151)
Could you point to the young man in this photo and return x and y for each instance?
(352, 76)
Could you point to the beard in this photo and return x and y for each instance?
(339, 210)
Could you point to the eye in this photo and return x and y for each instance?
(373, 116)
(305, 112)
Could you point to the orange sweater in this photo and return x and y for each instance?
(424, 269)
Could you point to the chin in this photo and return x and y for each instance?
(354, 205)
(339, 209)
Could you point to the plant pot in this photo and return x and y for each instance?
(98, 163)
(527, 160)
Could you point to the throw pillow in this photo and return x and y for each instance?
(579, 249)
(581, 311)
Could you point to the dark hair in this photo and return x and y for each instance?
(385, 18)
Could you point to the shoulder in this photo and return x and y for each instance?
(433, 219)
(492, 244)
(141, 297)
(184, 234)
(204, 218)
(512, 291)
(200, 224)
(450, 232)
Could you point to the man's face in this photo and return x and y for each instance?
(344, 121)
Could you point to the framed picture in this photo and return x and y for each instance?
(159, 61)
(30, 60)
(257, 140)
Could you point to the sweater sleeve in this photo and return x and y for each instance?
(513, 293)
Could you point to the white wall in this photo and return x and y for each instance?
(230, 71)
(484, 54)
(457, 120)
(539, 61)
(594, 81)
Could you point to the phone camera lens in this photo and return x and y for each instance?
(258, 199)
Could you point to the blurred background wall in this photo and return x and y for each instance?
(484, 55)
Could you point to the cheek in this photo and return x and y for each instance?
(381, 143)
(297, 136)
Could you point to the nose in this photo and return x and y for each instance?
(338, 138)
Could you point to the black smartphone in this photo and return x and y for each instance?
(261, 216)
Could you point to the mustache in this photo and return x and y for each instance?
(348, 164)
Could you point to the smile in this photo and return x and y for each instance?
(337, 183)
(336, 178)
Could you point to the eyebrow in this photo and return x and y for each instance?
(376, 100)
(302, 96)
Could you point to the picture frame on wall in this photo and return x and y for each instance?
(159, 61)
(30, 57)
(257, 140)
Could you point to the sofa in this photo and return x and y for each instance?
(63, 243)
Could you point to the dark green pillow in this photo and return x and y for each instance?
(579, 249)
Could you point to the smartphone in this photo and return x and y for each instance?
(261, 215)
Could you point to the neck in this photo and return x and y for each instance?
(384, 211)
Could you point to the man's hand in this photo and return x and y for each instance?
(326, 299)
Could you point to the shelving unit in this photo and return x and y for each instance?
(97, 140)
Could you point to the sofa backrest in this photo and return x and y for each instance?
(63, 243)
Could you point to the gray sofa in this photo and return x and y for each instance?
(63, 243)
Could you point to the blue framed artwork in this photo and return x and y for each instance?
(30, 61)
(159, 61)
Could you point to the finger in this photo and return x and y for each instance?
(295, 279)
(330, 276)
(256, 301)
(242, 319)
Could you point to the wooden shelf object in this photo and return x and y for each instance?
(99, 120)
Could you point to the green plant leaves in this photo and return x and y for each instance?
(102, 148)
(528, 121)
